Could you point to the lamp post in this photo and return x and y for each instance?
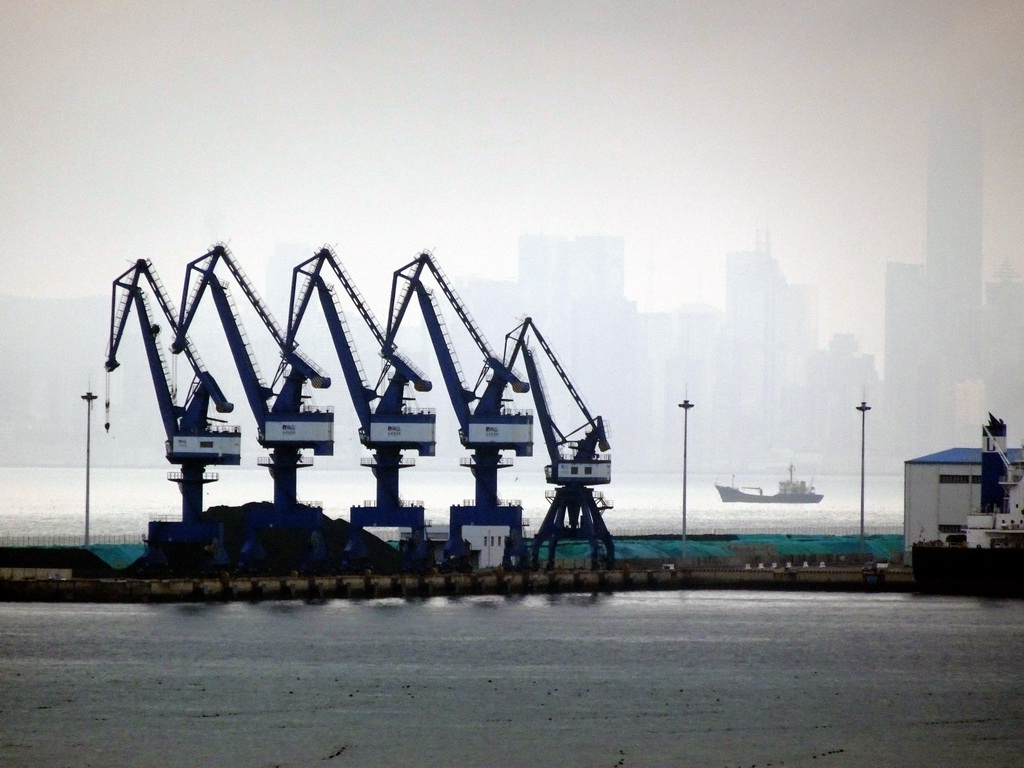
(686, 405)
(88, 397)
(863, 408)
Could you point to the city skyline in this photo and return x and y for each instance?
(698, 132)
(684, 127)
(579, 325)
(797, 402)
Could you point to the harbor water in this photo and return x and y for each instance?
(590, 681)
(646, 679)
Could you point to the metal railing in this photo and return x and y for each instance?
(177, 477)
(371, 461)
(469, 461)
(60, 540)
(402, 503)
(268, 461)
(756, 530)
(316, 409)
(76, 540)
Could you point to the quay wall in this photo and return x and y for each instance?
(492, 582)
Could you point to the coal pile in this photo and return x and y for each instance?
(83, 563)
(285, 547)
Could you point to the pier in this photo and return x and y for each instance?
(47, 586)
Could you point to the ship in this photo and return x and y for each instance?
(790, 492)
(950, 569)
(987, 556)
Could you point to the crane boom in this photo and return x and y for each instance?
(163, 382)
(409, 277)
(201, 274)
(309, 276)
(287, 422)
(128, 292)
(596, 437)
(408, 281)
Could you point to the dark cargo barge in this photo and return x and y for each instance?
(953, 570)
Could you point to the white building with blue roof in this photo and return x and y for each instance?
(939, 491)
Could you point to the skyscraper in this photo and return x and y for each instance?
(953, 258)
(575, 289)
(933, 314)
(1003, 350)
(767, 336)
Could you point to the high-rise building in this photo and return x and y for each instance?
(575, 289)
(1003, 347)
(767, 337)
(953, 262)
(933, 312)
(840, 377)
(954, 223)
(680, 360)
(910, 389)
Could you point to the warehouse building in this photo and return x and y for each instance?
(939, 492)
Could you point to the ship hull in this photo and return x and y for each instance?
(729, 494)
(966, 571)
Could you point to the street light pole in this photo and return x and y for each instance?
(88, 397)
(863, 408)
(686, 405)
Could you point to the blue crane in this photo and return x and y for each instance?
(387, 425)
(286, 427)
(486, 425)
(193, 442)
(576, 510)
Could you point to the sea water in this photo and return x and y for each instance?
(51, 501)
(698, 679)
(703, 678)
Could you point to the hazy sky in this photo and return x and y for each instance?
(153, 129)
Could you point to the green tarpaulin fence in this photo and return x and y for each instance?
(117, 555)
(879, 547)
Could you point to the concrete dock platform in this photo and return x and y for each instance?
(47, 588)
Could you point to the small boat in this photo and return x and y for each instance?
(790, 492)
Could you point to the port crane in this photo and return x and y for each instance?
(193, 441)
(286, 426)
(575, 511)
(387, 425)
(486, 425)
